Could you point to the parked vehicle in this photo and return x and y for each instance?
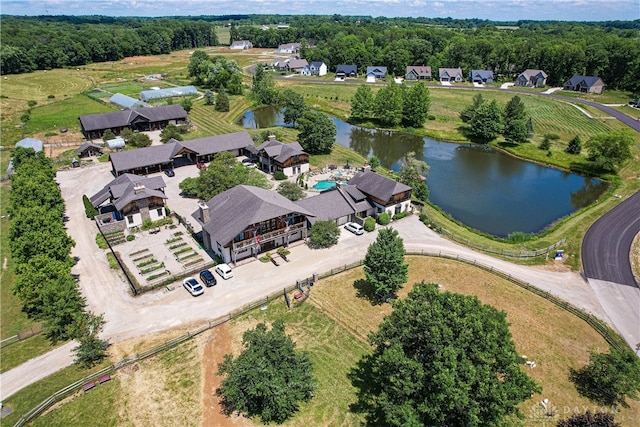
(201, 166)
(193, 286)
(354, 228)
(169, 172)
(224, 271)
(634, 103)
(208, 278)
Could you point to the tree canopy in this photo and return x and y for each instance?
(217, 72)
(317, 132)
(362, 103)
(486, 123)
(441, 359)
(412, 172)
(290, 190)
(384, 265)
(589, 419)
(269, 378)
(293, 104)
(609, 378)
(224, 172)
(323, 234)
(610, 150)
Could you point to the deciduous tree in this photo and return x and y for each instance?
(362, 103)
(293, 104)
(469, 112)
(269, 378)
(290, 190)
(610, 150)
(441, 359)
(317, 132)
(323, 234)
(486, 123)
(170, 132)
(222, 104)
(609, 378)
(388, 105)
(384, 265)
(412, 173)
(416, 101)
(589, 419)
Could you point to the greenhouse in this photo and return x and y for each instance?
(147, 95)
(127, 101)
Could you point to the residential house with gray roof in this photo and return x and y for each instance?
(157, 158)
(342, 204)
(138, 119)
(450, 74)
(346, 70)
(275, 156)
(481, 76)
(586, 84)
(131, 199)
(531, 78)
(386, 194)
(245, 221)
(418, 72)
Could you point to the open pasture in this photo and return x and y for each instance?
(38, 85)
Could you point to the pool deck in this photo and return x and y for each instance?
(325, 174)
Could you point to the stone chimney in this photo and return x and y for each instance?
(271, 137)
(138, 187)
(204, 212)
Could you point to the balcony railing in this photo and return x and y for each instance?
(266, 237)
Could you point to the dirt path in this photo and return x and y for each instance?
(218, 344)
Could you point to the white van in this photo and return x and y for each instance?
(224, 271)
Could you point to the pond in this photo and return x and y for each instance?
(481, 187)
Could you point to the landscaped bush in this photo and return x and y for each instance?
(266, 257)
(101, 241)
(400, 215)
(131, 237)
(369, 224)
(279, 175)
(89, 210)
(384, 218)
(113, 263)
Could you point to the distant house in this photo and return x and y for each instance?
(376, 72)
(241, 45)
(481, 76)
(386, 194)
(275, 156)
(450, 74)
(89, 149)
(531, 78)
(169, 92)
(244, 221)
(346, 70)
(139, 119)
(35, 144)
(296, 65)
(288, 48)
(132, 199)
(157, 158)
(586, 84)
(418, 72)
(315, 69)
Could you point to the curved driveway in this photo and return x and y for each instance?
(607, 243)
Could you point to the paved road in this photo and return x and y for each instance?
(607, 243)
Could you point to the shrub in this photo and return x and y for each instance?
(131, 237)
(323, 234)
(400, 215)
(384, 218)
(518, 237)
(113, 262)
(101, 241)
(431, 117)
(147, 224)
(31, 103)
(89, 210)
(51, 96)
(369, 224)
(279, 175)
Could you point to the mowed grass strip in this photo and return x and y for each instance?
(38, 85)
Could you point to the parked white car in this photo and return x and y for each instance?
(354, 228)
(193, 286)
(224, 271)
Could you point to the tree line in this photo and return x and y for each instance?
(35, 43)
(41, 250)
(561, 49)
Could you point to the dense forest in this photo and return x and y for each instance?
(610, 50)
(40, 43)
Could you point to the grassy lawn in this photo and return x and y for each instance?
(132, 88)
(224, 35)
(31, 396)
(332, 326)
(606, 97)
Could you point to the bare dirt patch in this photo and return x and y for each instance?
(218, 343)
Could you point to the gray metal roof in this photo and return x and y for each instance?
(126, 117)
(36, 144)
(162, 154)
(168, 92)
(328, 205)
(377, 186)
(88, 145)
(232, 211)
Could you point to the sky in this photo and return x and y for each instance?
(496, 10)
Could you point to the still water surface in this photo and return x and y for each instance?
(477, 185)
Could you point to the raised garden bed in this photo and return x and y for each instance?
(149, 255)
(193, 262)
(152, 268)
(158, 275)
(191, 255)
(177, 245)
(139, 252)
(183, 250)
(147, 262)
(174, 239)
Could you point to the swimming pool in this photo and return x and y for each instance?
(325, 184)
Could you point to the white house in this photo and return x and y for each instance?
(315, 69)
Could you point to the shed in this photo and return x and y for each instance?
(116, 143)
(89, 149)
